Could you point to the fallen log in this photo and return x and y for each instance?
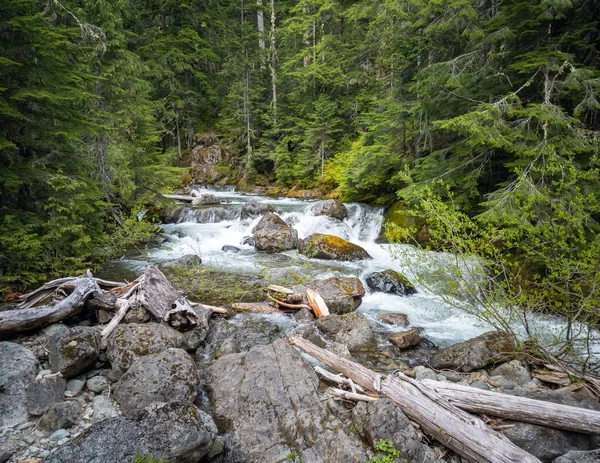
(317, 303)
(339, 380)
(18, 320)
(280, 289)
(466, 434)
(183, 198)
(518, 408)
(352, 396)
(287, 305)
(215, 309)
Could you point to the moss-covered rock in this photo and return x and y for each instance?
(402, 227)
(341, 294)
(331, 247)
(391, 282)
(74, 351)
(272, 234)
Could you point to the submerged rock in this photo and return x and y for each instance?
(331, 247)
(74, 351)
(391, 282)
(341, 294)
(252, 209)
(352, 329)
(331, 208)
(187, 261)
(476, 353)
(406, 339)
(18, 368)
(396, 319)
(229, 248)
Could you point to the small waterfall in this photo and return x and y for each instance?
(209, 215)
(365, 221)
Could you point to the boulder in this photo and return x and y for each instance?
(137, 315)
(45, 392)
(270, 221)
(187, 261)
(391, 282)
(330, 247)
(175, 432)
(575, 456)
(383, 419)
(406, 339)
(104, 407)
(97, 384)
(163, 377)
(128, 342)
(267, 399)
(229, 248)
(73, 352)
(395, 319)
(333, 208)
(272, 241)
(352, 329)
(514, 371)
(252, 209)
(205, 200)
(476, 353)
(341, 294)
(62, 416)
(18, 368)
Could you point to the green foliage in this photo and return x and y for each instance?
(389, 451)
(145, 459)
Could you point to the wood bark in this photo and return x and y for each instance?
(287, 305)
(15, 321)
(317, 303)
(518, 408)
(353, 396)
(466, 434)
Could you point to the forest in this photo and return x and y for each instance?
(479, 120)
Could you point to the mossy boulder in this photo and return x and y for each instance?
(206, 200)
(341, 294)
(331, 247)
(269, 221)
(187, 261)
(352, 330)
(129, 342)
(400, 226)
(272, 234)
(74, 351)
(333, 208)
(391, 282)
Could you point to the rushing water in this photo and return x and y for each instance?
(204, 231)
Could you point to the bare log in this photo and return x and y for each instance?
(353, 396)
(219, 310)
(15, 321)
(317, 303)
(554, 377)
(125, 305)
(183, 198)
(518, 408)
(339, 380)
(280, 289)
(466, 434)
(289, 306)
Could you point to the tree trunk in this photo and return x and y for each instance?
(273, 64)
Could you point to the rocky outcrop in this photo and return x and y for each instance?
(206, 200)
(128, 342)
(163, 377)
(476, 353)
(330, 247)
(391, 282)
(341, 294)
(333, 208)
(74, 351)
(267, 400)
(272, 234)
(188, 261)
(352, 329)
(252, 209)
(176, 432)
(18, 368)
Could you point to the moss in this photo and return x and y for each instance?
(323, 246)
(398, 225)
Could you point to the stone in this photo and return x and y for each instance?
(269, 221)
(575, 456)
(175, 432)
(164, 377)
(248, 240)
(137, 315)
(330, 247)
(206, 200)
(422, 373)
(267, 399)
(395, 319)
(406, 339)
(475, 353)
(304, 316)
(104, 407)
(128, 342)
(194, 338)
(481, 385)
(51, 330)
(252, 209)
(271, 241)
(391, 282)
(341, 294)
(58, 435)
(18, 368)
(73, 352)
(229, 248)
(75, 385)
(352, 329)
(97, 384)
(501, 382)
(45, 392)
(63, 415)
(188, 261)
(514, 371)
(383, 419)
(333, 208)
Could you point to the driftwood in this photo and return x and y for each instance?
(280, 289)
(287, 305)
(317, 304)
(466, 434)
(183, 198)
(353, 396)
(215, 309)
(554, 377)
(518, 408)
(339, 380)
(18, 320)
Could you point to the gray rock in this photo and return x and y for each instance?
(352, 329)
(333, 208)
(194, 338)
(252, 209)
(383, 419)
(175, 432)
(74, 351)
(406, 339)
(304, 316)
(546, 443)
(396, 319)
(270, 221)
(45, 392)
(51, 330)
(341, 294)
(424, 373)
(579, 457)
(475, 353)
(514, 371)
(330, 247)
(206, 200)
(501, 382)
(104, 407)
(62, 415)
(168, 376)
(229, 248)
(128, 342)
(58, 435)
(391, 282)
(5, 454)
(187, 261)
(481, 385)
(279, 240)
(18, 368)
(137, 315)
(75, 385)
(267, 400)
(228, 346)
(97, 384)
